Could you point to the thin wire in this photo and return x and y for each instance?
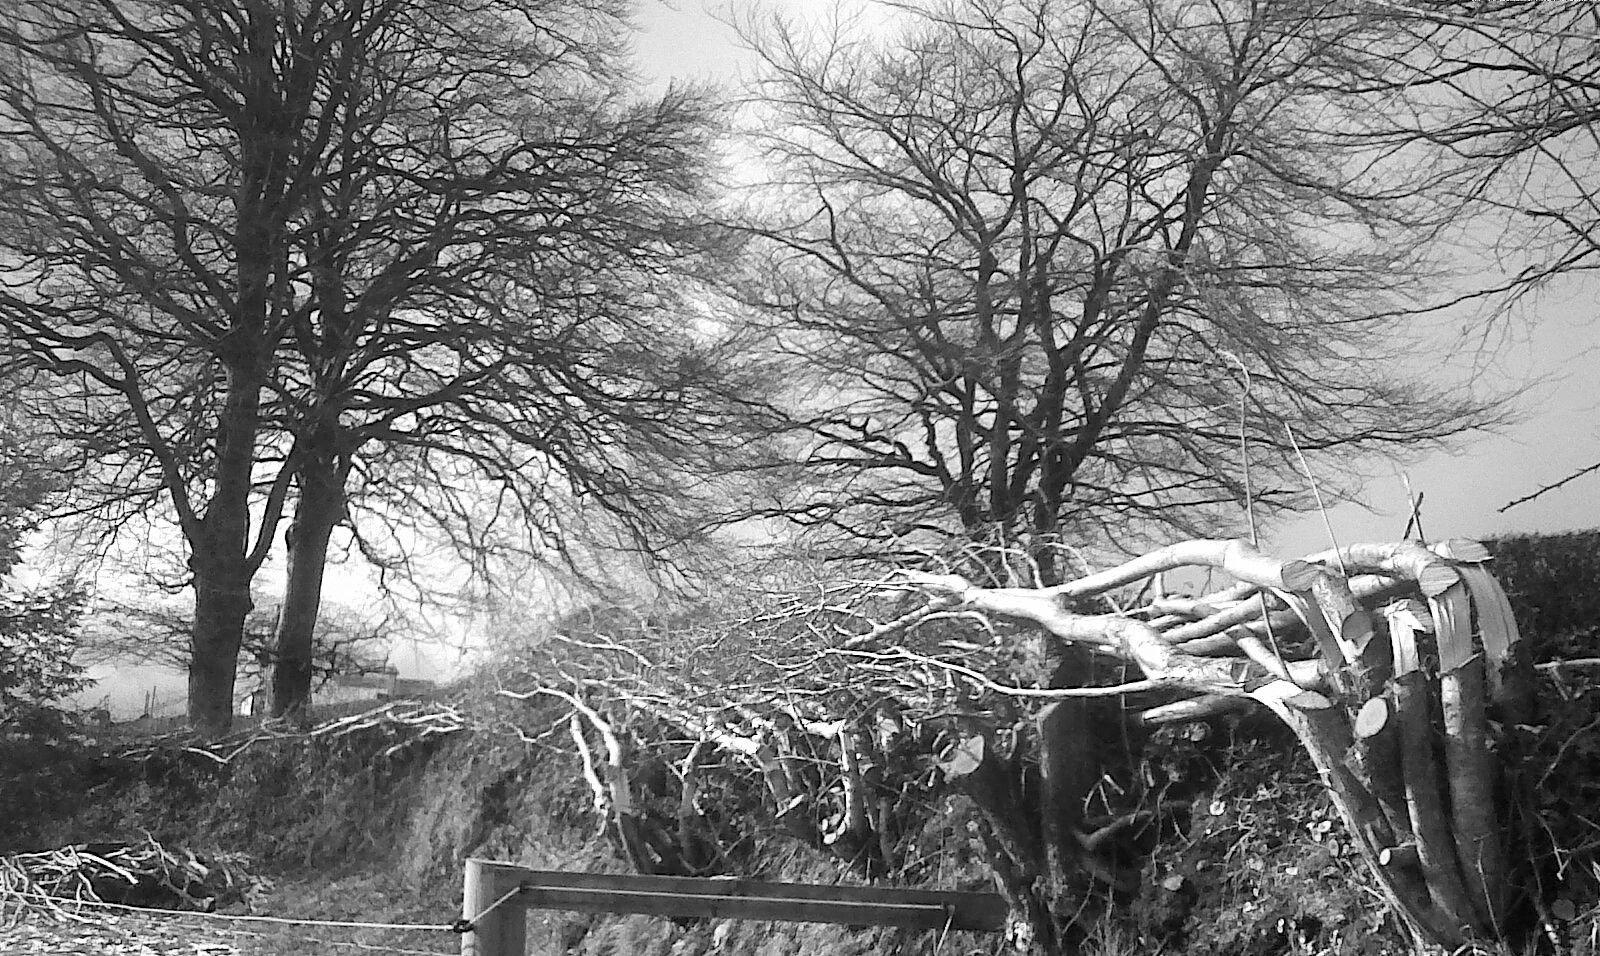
(949, 917)
(350, 944)
(243, 918)
(468, 926)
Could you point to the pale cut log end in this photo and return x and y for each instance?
(1299, 575)
(1403, 856)
(1356, 630)
(1437, 578)
(1372, 718)
(1462, 549)
(1309, 700)
(962, 757)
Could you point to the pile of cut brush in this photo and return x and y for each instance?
(408, 722)
(144, 875)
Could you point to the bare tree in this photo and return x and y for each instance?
(491, 317)
(1084, 268)
(148, 183)
(244, 241)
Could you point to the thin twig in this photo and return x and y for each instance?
(1316, 493)
(1527, 498)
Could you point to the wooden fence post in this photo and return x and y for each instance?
(496, 930)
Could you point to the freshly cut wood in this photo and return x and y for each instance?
(1406, 559)
(1325, 734)
(854, 822)
(1423, 769)
(1452, 619)
(1195, 708)
(1234, 557)
(1404, 855)
(962, 756)
(1377, 757)
(1323, 729)
(1341, 649)
(1306, 608)
(1464, 550)
(692, 825)
(1479, 846)
(797, 756)
(1372, 719)
(597, 786)
(1134, 641)
(1507, 667)
(1352, 630)
(1406, 619)
(785, 800)
(1012, 835)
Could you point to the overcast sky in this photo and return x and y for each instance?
(1551, 347)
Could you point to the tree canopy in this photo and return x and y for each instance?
(256, 251)
(1051, 269)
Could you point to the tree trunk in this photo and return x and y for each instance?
(318, 510)
(222, 600)
(1013, 840)
(1069, 765)
(222, 560)
(221, 577)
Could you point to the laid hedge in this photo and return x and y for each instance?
(1553, 581)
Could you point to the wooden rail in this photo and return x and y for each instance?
(502, 930)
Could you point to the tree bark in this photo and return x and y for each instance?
(1068, 763)
(220, 559)
(318, 510)
(1377, 755)
(221, 602)
(1014, 843)
(1473, 776)
(1423, 767)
